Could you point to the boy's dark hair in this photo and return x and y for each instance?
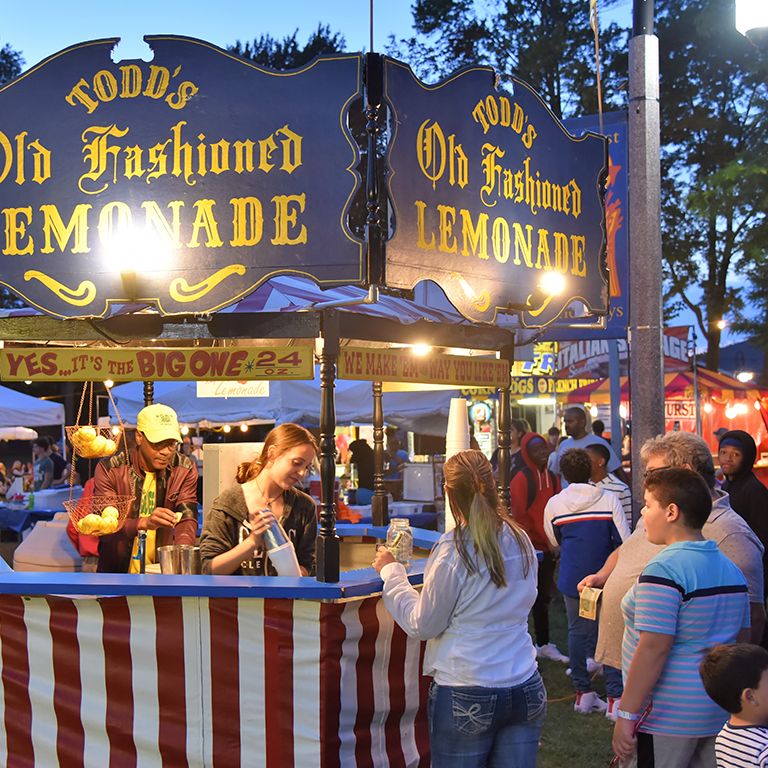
(600, 450)
(553, 431)
(41, 442)
(576, 465)
(598, 427)
(686, 489)
(728, 669)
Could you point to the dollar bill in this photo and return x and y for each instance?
(588, 602)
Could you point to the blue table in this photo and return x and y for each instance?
(20, 519)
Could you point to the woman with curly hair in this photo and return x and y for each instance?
(487, 702)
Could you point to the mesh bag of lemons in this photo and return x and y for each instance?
(89, 444)
(94, 524)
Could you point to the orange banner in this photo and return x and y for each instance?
(177, 364)
(403, 365)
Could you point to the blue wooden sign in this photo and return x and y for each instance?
(492, 197)
(185, 181)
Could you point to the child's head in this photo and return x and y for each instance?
(576, 466)
(680, 488)
(736, 678)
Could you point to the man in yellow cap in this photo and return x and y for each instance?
(163, 484)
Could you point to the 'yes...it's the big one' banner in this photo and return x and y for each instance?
(491, 193)
(197, 175)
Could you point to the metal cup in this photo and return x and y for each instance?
(179, 559)
(275, 536)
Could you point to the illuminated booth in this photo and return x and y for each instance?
(140, 201)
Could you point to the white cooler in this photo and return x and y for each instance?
(54, 498)
(48, 548)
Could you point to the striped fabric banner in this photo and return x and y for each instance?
(169, 682)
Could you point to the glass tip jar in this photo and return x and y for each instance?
(400, 541)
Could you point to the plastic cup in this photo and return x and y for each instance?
(284, 560)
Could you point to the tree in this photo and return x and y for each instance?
(286, 54)
(11, 63)
(714, 125)
(549, 44)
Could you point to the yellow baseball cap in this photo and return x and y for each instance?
(158, 423)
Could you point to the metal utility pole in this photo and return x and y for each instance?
(645, 279)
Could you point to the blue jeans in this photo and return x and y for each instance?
(582, 641)
(474, 727)
(614, 686)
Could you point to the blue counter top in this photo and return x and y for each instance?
(358, 583)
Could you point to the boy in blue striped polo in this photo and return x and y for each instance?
(736, 678)
(688, 598)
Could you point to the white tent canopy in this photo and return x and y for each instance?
(291, 401)
(20, 410)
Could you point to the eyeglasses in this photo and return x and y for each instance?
(165, 445)
(656, 469)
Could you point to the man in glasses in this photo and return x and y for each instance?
(734, 538)
(163, 484)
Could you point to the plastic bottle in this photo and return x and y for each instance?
(400, 541)
(31, 502)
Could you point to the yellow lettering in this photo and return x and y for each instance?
(248, 221)
(159, 77)
(447, 220)
(105, 85)
(180, 149)
(422, 243)
(204, 219)
(522, 245)
(544, 251)
(98, 152)
(78, 224)
(477, 237)
(244, 156)
(501, 240)
(131, 81)
(78, 94)
(578, 245)
(561, 252)
(285, 216)
(15, 229)
(291, 149)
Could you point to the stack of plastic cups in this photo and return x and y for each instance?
(456, 439)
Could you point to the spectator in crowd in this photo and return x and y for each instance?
(61, 467)
(487, 702)
(163, 484)
(42, 473)
(397, 456)
(733, 536)
(517, 429)
(587, 523)
(736, 678)
(361, 457)
(688, 597)
(747, 496)
(598, 427)
(553, 439)
(601, 478)
(575, 420)
(529, 492)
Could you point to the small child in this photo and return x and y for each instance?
(736, 678)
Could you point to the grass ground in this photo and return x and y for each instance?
(570, 740)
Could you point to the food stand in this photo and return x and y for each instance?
(238, 174)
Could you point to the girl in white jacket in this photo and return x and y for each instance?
(487, 697)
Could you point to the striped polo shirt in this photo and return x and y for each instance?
(694, 592)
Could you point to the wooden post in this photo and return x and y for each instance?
(327, 540)
(504, 426)
(379, 510)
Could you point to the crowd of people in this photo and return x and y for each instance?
(682, 611)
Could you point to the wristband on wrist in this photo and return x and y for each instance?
(627, 715)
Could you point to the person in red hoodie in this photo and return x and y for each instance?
(530, 490)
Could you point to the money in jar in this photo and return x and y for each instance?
(400, 541)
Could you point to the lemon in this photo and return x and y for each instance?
(85, 434)
(110, 512)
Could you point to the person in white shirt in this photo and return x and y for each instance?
(487, 699)
(575, 422)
